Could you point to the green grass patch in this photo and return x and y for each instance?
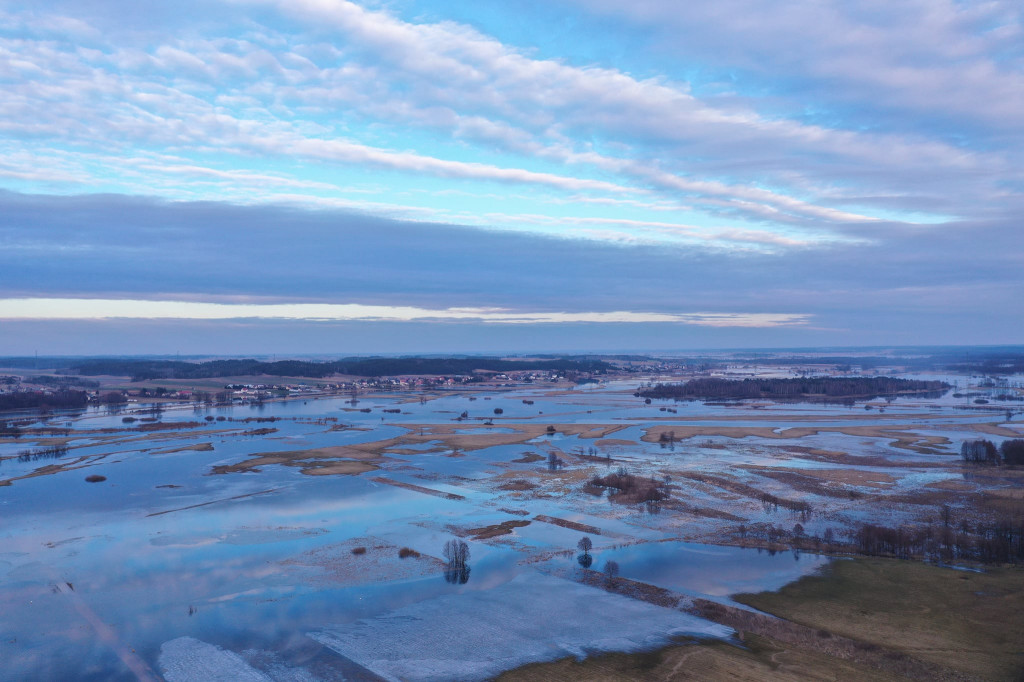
(966, 621)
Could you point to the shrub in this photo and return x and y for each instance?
(630, 489)
(1013, 451)
(405, 552)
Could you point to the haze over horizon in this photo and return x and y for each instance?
(324, 176)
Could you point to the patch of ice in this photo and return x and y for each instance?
(186, 659)
(278, 670)
(472, 635)
(263, 536)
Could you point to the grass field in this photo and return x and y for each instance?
(965, 621)
(761, 659)
(968, 625)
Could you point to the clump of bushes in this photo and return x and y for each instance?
(771, 502)
(358, 550)
(1012, 451)
(518, 484)
(630, 489)
(95, 478)
(406, 552)
(9, 430)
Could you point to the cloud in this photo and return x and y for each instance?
(120, 247)
(900, 284)
(297, 95)
(939, 59)
(101, 309)
(347, 151)
(857, 162)
(454, 64)
(655, 231)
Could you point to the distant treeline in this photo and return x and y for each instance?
(65, 381)
(974, 359)
(31, 400)
(1009, 364)
(142, 370)
(792, 389)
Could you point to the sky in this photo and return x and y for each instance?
(240, 177)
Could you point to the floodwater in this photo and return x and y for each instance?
(102, 581)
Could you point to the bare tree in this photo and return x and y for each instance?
(553, 461)
(611, 570)
(585, 545)
(456, 552)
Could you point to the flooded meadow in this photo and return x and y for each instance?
(306, 539)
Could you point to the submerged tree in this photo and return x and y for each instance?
(457, 576)
(1013, 451)
(585, 544)
(456, 552)
(979, 451)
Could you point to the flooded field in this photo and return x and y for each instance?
(305, 539)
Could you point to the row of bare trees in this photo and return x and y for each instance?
(456, 553)
(1010, 452)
